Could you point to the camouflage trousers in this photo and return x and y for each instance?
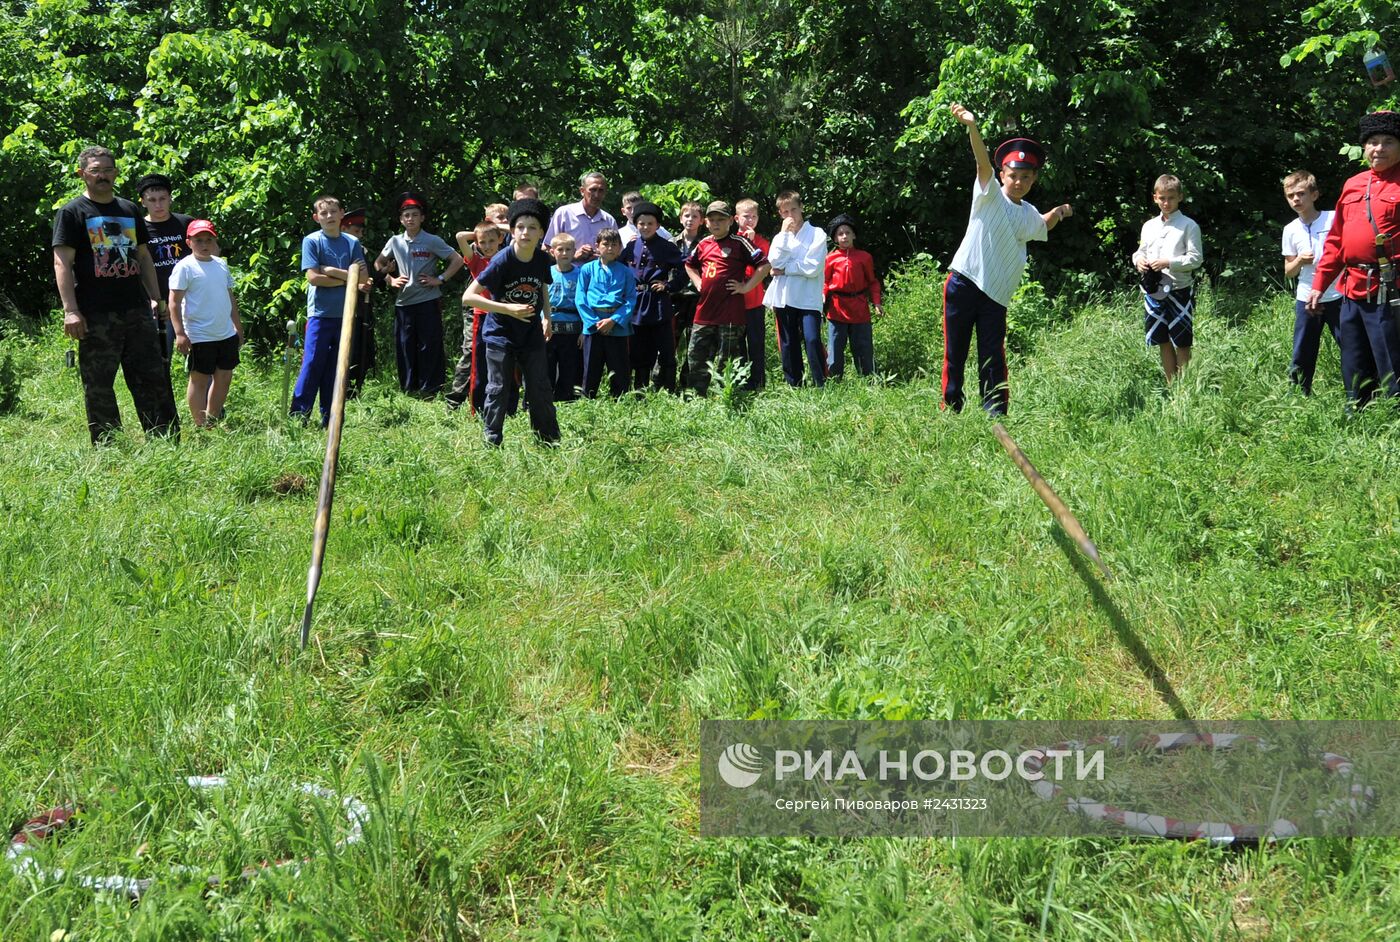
(712, 343)
(125, 339)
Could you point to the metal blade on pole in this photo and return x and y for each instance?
(327, 492)
(1062, 514)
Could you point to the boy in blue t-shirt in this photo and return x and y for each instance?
(326, 256)
(518, 324)
(606, 296)
(566, 346)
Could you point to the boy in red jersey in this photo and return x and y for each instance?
(717, 268)
(850, 291)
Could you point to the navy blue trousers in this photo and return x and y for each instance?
(967, 309)
(756, 346)
(1307, 338)
(862, 338)
(1370, 344)
(566, 363)
(418, 347)
(601, 350)
(654, 356)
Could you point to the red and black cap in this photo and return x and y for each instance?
(355, 217)
(412, 200)
(1020, 152)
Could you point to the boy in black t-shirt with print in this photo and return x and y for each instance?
(516, 297)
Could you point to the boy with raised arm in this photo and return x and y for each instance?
(989, 263)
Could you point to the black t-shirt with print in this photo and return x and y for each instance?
(168, 246)
(105, 238)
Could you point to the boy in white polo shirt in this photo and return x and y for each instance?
(204, 313)
(1303, 239)
(988, 265)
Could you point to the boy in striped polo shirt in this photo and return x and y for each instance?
(988, 265)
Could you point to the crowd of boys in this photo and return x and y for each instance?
(557, 300)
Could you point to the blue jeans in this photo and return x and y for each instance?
(800, 330)
(862, 337)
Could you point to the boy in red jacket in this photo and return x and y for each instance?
(850, 291)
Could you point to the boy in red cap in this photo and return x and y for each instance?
(414, 255)
(988, 265)
(204, 313)
(1363, 248)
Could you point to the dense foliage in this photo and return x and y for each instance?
(255, 106)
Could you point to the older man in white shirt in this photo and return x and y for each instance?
(798, 257)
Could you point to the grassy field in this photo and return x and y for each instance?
(513, 649)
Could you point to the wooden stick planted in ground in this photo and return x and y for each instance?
(1067, 521)
(327, 492)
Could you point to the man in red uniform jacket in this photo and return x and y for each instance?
(1363, 248)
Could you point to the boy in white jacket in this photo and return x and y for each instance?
(798, 257)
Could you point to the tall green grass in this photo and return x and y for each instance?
(513, 648)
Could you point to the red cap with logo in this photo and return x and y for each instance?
(200, 227)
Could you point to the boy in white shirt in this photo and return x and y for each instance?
(1303, 239)
(204, 313)
(798, 256)
(1168, 251)
(989, 263)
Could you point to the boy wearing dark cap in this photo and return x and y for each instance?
(989, 263)
(850, 290)
(1363, 250)
(659, 270)
(167, 243)
(716, 268)
(363, 352)
(514, 289)
(414, 255)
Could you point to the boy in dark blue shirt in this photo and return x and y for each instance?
(659, 268)
(516, 297)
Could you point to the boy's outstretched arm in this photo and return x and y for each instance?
(985, 170)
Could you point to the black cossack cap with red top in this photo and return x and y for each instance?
(1020, 152)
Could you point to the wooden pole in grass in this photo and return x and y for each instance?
(287, 364)
(1066, 520)
(327, 492)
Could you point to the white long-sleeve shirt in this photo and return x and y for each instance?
(1176, 239)
(801, 256)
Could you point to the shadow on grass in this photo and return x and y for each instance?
(1121, 627)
